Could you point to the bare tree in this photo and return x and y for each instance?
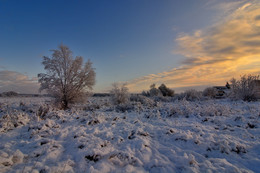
(67, 78)
(119, 94)
(245, 88)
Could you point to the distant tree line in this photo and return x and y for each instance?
(9, 94)
(67, 80)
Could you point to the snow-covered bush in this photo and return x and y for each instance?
(226, 146)
(162, 99)
(245, 88)
(207, 108)
(13, 119)
(162, 90)
(190, 95)
(92, 107)
(210, 92)
(145, 93)
(42, 111)
(213, 109)
(183, 108)
(126, 107)
(154, 91)
(142, 99)
(119, 94)
(96, 103)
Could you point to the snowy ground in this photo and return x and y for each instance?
(203, 136)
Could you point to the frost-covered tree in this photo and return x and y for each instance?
(66, 79)
(245, 88)
(119, 94)
(154, 91)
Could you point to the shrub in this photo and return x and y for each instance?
(119, 94)
(146, 93)
(13, 119)
(166, 91)
(190, 95)
(162, 99)
(142, 99)
(154, 91)
(245, 88)
(125, 107)
(162, 90)
(43, 111)
(210, 92)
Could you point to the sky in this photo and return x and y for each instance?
(183, 44)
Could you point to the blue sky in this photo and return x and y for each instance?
(127, 40)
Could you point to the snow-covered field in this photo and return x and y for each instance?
(181, 136)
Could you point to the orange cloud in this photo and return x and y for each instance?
(216, 54)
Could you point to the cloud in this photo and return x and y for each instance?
(214, 55)
(14, 81)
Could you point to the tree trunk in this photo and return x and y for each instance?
(64, 103)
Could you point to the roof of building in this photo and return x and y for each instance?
(220, 87)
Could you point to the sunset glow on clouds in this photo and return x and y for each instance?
(14, 81)
(213, 55)
(183, 44)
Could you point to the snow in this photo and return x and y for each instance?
(180, 136)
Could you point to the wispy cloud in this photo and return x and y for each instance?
(213, 55)
(14, 81)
